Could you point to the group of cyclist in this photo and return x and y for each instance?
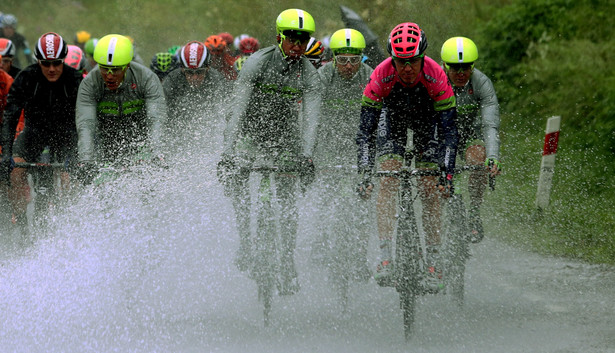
(285, 103)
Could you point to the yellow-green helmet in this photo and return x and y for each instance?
(347, 41)
(295, 20)
(459, 50)
(113, 50)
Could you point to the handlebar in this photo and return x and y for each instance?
(28, 165)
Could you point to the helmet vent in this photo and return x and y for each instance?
(460, 56)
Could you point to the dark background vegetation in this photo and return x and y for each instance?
(546, 58)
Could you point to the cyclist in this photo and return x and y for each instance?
(314, 52)
(478, 120)
(76, 59)
(221, 58)
(46, 92)
(193, 91)
(264, 120)
(344, 80)
(228, 39)
(82, 37)
(89, 54)
(5, 208)
(9, 30)
(163, 63)
(120, 108)
(7, 51)
(247, 47)
(412, 92)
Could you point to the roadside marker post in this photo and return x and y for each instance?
(547, 165)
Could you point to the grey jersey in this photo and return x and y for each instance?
(479, 113)
(266, 100)
(113, 123)
(340, 116)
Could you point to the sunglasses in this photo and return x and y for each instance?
(411, 61)
(296, 38)
(460, 67)
(194, 72)
(48, 63)
(113, 70)
(344, 60)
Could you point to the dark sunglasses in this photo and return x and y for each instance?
(344, 60)
(295, 37)
(460, 67)
(48, 63)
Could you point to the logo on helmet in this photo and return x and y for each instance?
(49, 46)
(193, 55)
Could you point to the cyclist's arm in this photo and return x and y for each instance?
(156, 106)
(16, 101)
(242, 91)
(85, 117)
(366, 136)
(448, 119)
(312, 100)
(490, 113)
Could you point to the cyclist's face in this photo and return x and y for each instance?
(409, 69)
(195, 77)
(293, 45)
(52, 69)
(459, 75)
(347, 65)
(6, 63)
(113, 76)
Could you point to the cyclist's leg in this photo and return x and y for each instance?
(477, 182)
(19, 192)
(242, 206)
(286, 195)
(386, 205)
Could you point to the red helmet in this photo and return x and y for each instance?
(248, 45)
(194, 55)
(50, 46)
(75, 57)
(215, 43)
(6, 47)
(227, 37)
(407, 40)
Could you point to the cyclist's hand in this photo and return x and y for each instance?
(85, 172)
(445, 184)
(307, 172)
(226, 171)
(493, 167)
(365, 187)
(6, 166)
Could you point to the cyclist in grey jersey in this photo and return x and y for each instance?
(478, 120)
(339, 207)
(273, 85)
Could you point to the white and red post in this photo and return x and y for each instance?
(547, 165)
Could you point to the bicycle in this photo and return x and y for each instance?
(266, 259)
(46, 184)
(410, 270)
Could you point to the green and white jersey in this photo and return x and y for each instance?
(121, 122)
(267, 97)
(340, 116)
(478, 113)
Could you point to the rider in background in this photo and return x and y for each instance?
(163, 63)
(314, 52)
(7, 51)
(410, 91)
(89, 54)
(265, 121)
(194, 92)
(478, 121)
(120, 108)
(76, 59)
(247, 47)
(339, 208)
(5, 208)
(9, 31)
(46, 92)
(221, 58)
(82, 37)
